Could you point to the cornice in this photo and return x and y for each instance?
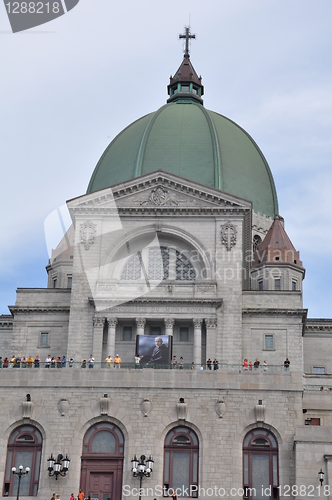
(27, 309)
(288, 312)
(277, 312)
(161, 300)
(162, 194)
(318, 328)
(6, 323)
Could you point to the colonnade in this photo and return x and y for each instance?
(210, 324)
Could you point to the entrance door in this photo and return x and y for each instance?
(100, 485)
(102, 462)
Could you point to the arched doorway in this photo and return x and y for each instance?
(102, 462)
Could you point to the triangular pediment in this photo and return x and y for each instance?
(159, 191)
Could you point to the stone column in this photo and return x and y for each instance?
(169, 324)
(140, 324)
(197, 342)
(98, 330)
(211, 324)
(110, 350)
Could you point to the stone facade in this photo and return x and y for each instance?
(206, 303)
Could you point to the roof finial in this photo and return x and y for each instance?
(187, 35)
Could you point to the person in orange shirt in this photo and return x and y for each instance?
(117, 361)
(80, 495)
(30, 361)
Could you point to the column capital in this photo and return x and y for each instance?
(140, 322)
(169, 322)
(98, 322)
(112, 322)
(211, 322)
(197, 322)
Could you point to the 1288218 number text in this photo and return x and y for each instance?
(33, 7)
(304, 490)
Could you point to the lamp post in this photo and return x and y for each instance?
(141, 469)
(54, 466)
(20, 474)
(321, 477)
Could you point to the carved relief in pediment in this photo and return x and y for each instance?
(161, 197)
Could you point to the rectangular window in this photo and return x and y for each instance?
(127, 333)
(260, 285)
(69, 281)
(277, 284)
(268, 342)
(155, 330)
(44, 339)
(54, 282)
(312, 421)
(184, 334)
(318, 370)
(294, 286)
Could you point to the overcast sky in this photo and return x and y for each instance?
(69, 86)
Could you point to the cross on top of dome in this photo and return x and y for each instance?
(187, 36)
(186, 85)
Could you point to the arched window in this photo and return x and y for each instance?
(159, 264)
(181, 462)
(132, 269)
(102, 462)
(256, 243)
(24, 448)
(260, 465)
(184, 268)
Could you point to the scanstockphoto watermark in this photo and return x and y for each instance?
(24, 15)
(190, 491)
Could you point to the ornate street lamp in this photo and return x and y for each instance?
(20, 474)
(321, 477)
(141, 469)
(54, 466)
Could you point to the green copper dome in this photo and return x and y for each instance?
(185, 139)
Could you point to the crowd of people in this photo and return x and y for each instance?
(50, 362)
(61, 362)
(249, 366)
(80, 496)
